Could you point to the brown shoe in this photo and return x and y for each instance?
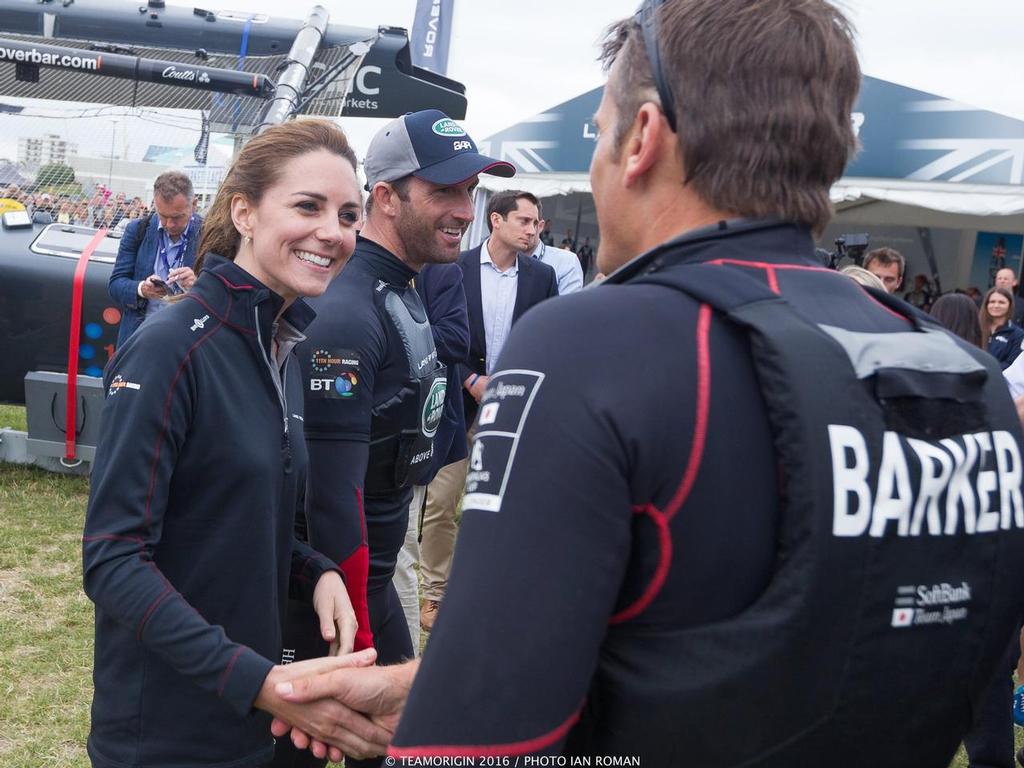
(428, 614)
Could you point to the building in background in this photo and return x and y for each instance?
(36, 151)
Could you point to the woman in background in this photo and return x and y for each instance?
(1003, 336)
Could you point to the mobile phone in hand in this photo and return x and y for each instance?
(159, 284)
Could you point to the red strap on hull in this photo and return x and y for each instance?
(73, 343)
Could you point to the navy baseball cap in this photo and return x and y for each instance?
(430, 146)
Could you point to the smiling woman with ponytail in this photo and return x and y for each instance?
(190, 567)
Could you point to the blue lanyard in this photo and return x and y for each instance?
(181, 245)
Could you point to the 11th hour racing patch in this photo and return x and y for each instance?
(504, 409)
(333, 374)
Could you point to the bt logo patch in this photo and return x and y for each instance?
(343, 385)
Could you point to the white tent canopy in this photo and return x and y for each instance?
(857, 201)
(930, 204)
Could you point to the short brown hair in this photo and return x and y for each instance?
(401, 187)
(763, 90)
(257, 168)
(885, 256)
(170, 184)
(503, 203)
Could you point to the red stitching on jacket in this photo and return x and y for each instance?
(227, 671)
(229, 284)
(166, 418)
(149, 612)
(700, 426)
(641, 604)
(662, 519)
(476, 750)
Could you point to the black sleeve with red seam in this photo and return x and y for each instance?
(534, 581)
(146, 420)
(339, 361)
(336, 520)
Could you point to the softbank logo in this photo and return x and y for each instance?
(930, 604)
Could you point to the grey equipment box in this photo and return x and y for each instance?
(46, 412)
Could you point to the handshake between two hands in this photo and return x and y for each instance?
(337, 704)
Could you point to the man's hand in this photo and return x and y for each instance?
(478, 386)
(151, 291)
(325, 719)
(377, 691)
(183, 276)
(334, 609)
(1019, 402)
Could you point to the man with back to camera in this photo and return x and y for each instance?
(887, 264)
(156, 253)
(782, 525)
(375, 388)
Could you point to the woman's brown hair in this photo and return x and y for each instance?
(985, 318)
(257, 168)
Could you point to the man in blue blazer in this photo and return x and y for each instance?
(502, 280)
(156, 253)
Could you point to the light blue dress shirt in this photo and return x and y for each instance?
(498, 295)
(566, 264)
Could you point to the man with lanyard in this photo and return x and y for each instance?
(773, 518)
(155, 257)
(375, 387)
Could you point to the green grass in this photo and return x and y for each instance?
(46, 622)
(13, 416)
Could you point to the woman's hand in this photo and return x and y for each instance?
(334, 609)
(325, 719)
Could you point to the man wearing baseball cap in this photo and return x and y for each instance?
(375, 387)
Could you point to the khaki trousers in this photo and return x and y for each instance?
(437, 536)
(405, 570)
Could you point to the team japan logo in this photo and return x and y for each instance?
(919, 604)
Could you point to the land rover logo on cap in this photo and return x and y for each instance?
(447, 127)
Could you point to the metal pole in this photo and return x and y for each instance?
(576, 232)
(292, 81)
(113, 137)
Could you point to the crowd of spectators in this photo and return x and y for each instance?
(582, 248)
(103, 208)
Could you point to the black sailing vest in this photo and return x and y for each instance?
(402, 428)
(879, 627)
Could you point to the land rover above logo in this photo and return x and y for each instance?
(433, 407)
